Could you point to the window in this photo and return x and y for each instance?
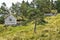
(10, 19)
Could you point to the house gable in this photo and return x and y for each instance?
(10, 20)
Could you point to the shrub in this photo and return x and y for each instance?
(1, 20)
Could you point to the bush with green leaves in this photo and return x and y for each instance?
(1, 20)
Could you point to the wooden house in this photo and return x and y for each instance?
(10, 20)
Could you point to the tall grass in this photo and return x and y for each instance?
(49, 31)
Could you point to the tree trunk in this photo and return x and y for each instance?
(35, 24)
